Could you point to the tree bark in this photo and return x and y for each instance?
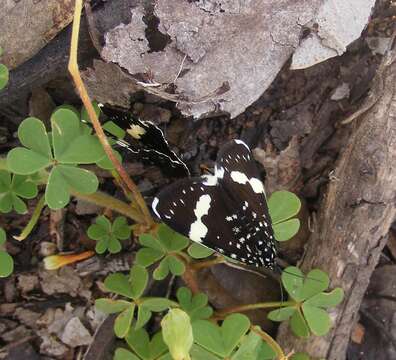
(356, 214)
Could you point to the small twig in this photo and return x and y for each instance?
(180, 69)
(127, 183)
(57, 227)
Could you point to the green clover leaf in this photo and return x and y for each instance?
(171, 240)
(221, 340)
(308, 315)
(119, 284)
(123, 354)
(131, 287)
(144, 348)
(71, 144)
(170, 264)
(164, 247)
(198, 251)
(110, 306)
(12, 189)
(282, 206)
(195, 306)
(123, 321)
(4, 76)
(6, 261)
(36, 154)
(252, 347)
(108, 235)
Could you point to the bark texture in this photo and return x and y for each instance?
(356, 214)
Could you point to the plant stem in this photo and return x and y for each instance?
(208, 263)
(128, 184)
(270, 341)
(266, 305)
(107, 201)
(33, 220)
(190, 278)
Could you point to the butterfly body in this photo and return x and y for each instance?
(226, 211)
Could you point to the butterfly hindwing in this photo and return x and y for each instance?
(192, 208)
(226, 211)
(241, 180)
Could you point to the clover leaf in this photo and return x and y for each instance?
(6, 261)
(282, 206)
(221, 340)
(108, 235)
(119, 284)
(131, 287)
(195, 306)
(4, 73)
(12, 189)
(170, 264)
(308, 314)
(164, 246)
(142, 347)
(71, 144)
(4, 76)
(300, 356)
(198, 251)
(252, 347)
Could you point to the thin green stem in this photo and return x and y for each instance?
(183, 257)
(208, 263)
(266, 305)
(270, 341)
(107, 201)
(33, 220)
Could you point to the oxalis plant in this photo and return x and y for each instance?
(54, 161)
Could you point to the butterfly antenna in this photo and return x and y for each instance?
(278, 270)
(300, 276)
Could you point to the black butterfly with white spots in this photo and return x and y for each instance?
(147, 141)
(226, 212)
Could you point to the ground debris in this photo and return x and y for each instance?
(75, 333)
(66, 281)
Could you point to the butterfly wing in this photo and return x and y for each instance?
(146, 140)
(197, 210)
(242, 182)
(223, 211)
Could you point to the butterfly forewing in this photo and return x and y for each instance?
(226, 211)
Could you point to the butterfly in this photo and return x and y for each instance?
(147, 141)
(226, 211)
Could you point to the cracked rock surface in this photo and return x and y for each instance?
(220, 56)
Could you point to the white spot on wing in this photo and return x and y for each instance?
(213, 180)
(241, 178)
(240, 142)
(154, 206)
(198, 229)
